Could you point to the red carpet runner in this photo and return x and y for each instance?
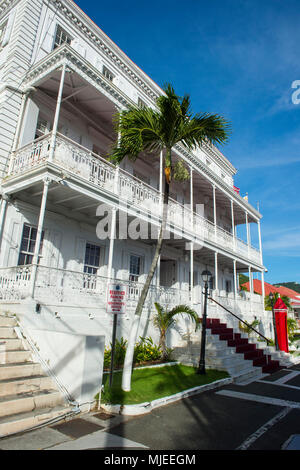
(242, 346)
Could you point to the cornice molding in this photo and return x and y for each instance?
(6, 6)
(73, 60)
(94, 34)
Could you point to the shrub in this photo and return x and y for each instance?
(120, 350)
(145, 351)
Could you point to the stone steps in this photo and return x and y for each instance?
(25, 385)
(10, 357)
(24, 402)
(28, 397)
(22, 421)
(11, 344)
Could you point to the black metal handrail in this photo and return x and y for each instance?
(245, 323)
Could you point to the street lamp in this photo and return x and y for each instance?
(206, 276)
(272, 299)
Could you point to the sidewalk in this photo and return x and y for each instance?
(88, 431)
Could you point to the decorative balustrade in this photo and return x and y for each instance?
(133, 192)
(15, 282)
(60, 285)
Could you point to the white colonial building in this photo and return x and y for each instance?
(61, 82)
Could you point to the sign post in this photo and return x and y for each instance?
(116, 304)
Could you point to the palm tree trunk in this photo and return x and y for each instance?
(128, 362)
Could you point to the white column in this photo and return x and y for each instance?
(235, 278)
(216, 274)
(215, 209)
(57, 112)
(248, 231)
(250, 279)
(192, 244)
(111, 242)
(2, 214)
(191, 190)
(161, 162)
(232, 223)
(263, 288)
(39, 234)
(192, 272)
(113, 228)
(259, 240)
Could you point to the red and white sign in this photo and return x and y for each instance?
(116, 299)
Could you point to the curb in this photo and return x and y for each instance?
(147, 407)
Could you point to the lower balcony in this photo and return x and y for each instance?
(79, 162)
(55, 286)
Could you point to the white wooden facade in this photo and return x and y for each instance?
(61, 81)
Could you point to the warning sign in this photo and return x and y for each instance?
(116, 299)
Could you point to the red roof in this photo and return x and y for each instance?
(269, 288)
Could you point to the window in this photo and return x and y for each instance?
(91, 266)
(92, 258)
(28, 245)
(61, 37)
(107, 73)
(134, 268)
(3, 27)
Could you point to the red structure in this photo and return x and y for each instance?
(280, 310)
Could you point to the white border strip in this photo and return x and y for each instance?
(147, 407)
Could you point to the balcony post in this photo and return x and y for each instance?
(235, 279)
(263, 288)
(160, 209)
(57, 113)
(39, 234)
(216, 274)
(192, 272)
(233, 223)
(248, 232)
(259, 240)
(250, 279)
(2, 214)
(215, 210)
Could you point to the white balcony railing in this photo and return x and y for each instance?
(77, 288)
(95, 169)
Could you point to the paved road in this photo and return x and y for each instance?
(263, 415)
(260, 416)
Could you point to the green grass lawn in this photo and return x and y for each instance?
(152, 383)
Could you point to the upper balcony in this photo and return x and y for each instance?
(87, 79)
(92, 174)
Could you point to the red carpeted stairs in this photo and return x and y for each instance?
(242, 346)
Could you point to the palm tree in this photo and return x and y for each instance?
(165, 319)
(143, 129)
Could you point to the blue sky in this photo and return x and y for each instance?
(237, 58)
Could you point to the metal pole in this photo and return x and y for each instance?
(201, 368)
(113, 346)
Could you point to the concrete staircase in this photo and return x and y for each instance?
(244, 359)
(28, 397)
